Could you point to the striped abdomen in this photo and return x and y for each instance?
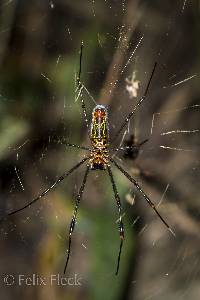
(99, 133)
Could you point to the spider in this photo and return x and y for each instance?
(132, 147)
(131, 153)
(99, 158)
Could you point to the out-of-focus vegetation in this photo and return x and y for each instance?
(39, 60)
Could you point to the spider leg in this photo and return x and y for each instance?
(80, 65)
(143, 142)
(136, 146)
(91, 97)
(129, 116)
(80, 88)
(73, 220)
(121, 226)
(63, 176)
(123, 148)
(76, 146)
(143, 194)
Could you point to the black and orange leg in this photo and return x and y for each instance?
(148, 200)
(73, 220)
(138, 104)
(121, 226)
(53, 186)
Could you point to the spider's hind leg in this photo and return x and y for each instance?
(147, 199)
(73, 220)
(121, 226)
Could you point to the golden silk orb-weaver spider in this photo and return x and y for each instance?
(99, 158)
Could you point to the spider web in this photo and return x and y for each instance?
(40, 112)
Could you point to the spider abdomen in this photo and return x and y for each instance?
(99, 133)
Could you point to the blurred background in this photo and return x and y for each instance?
(39, 61)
